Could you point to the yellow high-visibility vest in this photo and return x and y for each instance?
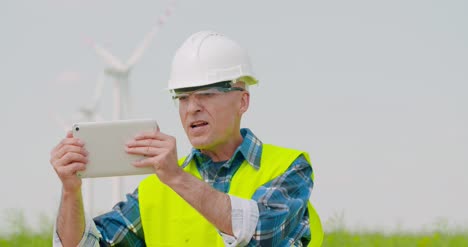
(168, 220)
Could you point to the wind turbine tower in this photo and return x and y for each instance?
(87, 113)
(120, 73)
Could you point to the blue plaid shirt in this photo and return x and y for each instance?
(282, 202)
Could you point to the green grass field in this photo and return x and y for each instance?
(26, 239)
(22, 235)
(401, 239)
(332, 239)
(442, 234)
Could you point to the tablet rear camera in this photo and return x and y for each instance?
(77, 128)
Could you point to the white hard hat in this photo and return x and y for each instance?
(208, 57)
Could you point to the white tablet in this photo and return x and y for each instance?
(105, 142)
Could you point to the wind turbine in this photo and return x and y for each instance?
(120, 72)
(90, 113)
(87, 113)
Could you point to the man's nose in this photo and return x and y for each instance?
(193, 103)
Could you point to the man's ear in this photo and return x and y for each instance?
(245, 101)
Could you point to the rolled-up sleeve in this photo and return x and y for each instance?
(244, 216)
(282, 203)
(90, 238)
(122, 225)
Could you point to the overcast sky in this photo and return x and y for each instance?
(375, 91)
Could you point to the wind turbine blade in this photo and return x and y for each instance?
(138, 53)
(98, 90)
(110, 59)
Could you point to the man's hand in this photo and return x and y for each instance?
(161, 151)
(67, 158)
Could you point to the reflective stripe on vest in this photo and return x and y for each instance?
(170, 221)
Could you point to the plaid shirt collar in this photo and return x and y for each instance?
(250, 149)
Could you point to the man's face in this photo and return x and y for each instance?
(211, 118)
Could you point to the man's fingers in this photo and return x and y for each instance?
(145, 150)
(144, 162)
(155, 139)
(145, 143)
(71, 169)
(68, 141)
(147, 135)
(72, 141)
(71, 149)
(69, 158)
(151, 135)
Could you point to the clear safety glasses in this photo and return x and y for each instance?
(202, 95)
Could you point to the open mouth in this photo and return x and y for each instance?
(197, 124)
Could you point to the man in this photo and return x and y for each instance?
(230, 190)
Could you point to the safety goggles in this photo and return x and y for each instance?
(203, 94)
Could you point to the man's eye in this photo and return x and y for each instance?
(206, 94)
(182, 97)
